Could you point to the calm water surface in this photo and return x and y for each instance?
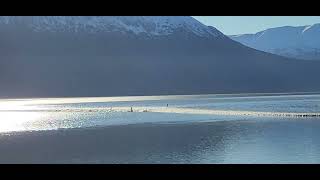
(178, 137)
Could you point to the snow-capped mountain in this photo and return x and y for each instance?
(115, 56)
(146, 25)
(301, 42)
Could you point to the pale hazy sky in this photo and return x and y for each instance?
(231, 25)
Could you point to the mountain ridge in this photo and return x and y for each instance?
(299, 42)
(150, 25)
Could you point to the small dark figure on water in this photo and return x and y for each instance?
(131, 110)
(167, 105)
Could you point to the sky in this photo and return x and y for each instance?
(232, 25)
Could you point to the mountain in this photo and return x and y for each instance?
(61, 35)
(147, 25)
(301, 42)
(121, 55)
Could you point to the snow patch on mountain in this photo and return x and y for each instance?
(301, 42)
(150, 25)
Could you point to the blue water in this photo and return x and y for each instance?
(33, 114)
(178, 137)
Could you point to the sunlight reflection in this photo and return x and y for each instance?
(12, 105)
(17, 121)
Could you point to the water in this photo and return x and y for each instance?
(192, 129)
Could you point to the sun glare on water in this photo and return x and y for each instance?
(13, 116)
(17, 121)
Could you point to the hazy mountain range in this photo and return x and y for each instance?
(112, 56)
(301, 42)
